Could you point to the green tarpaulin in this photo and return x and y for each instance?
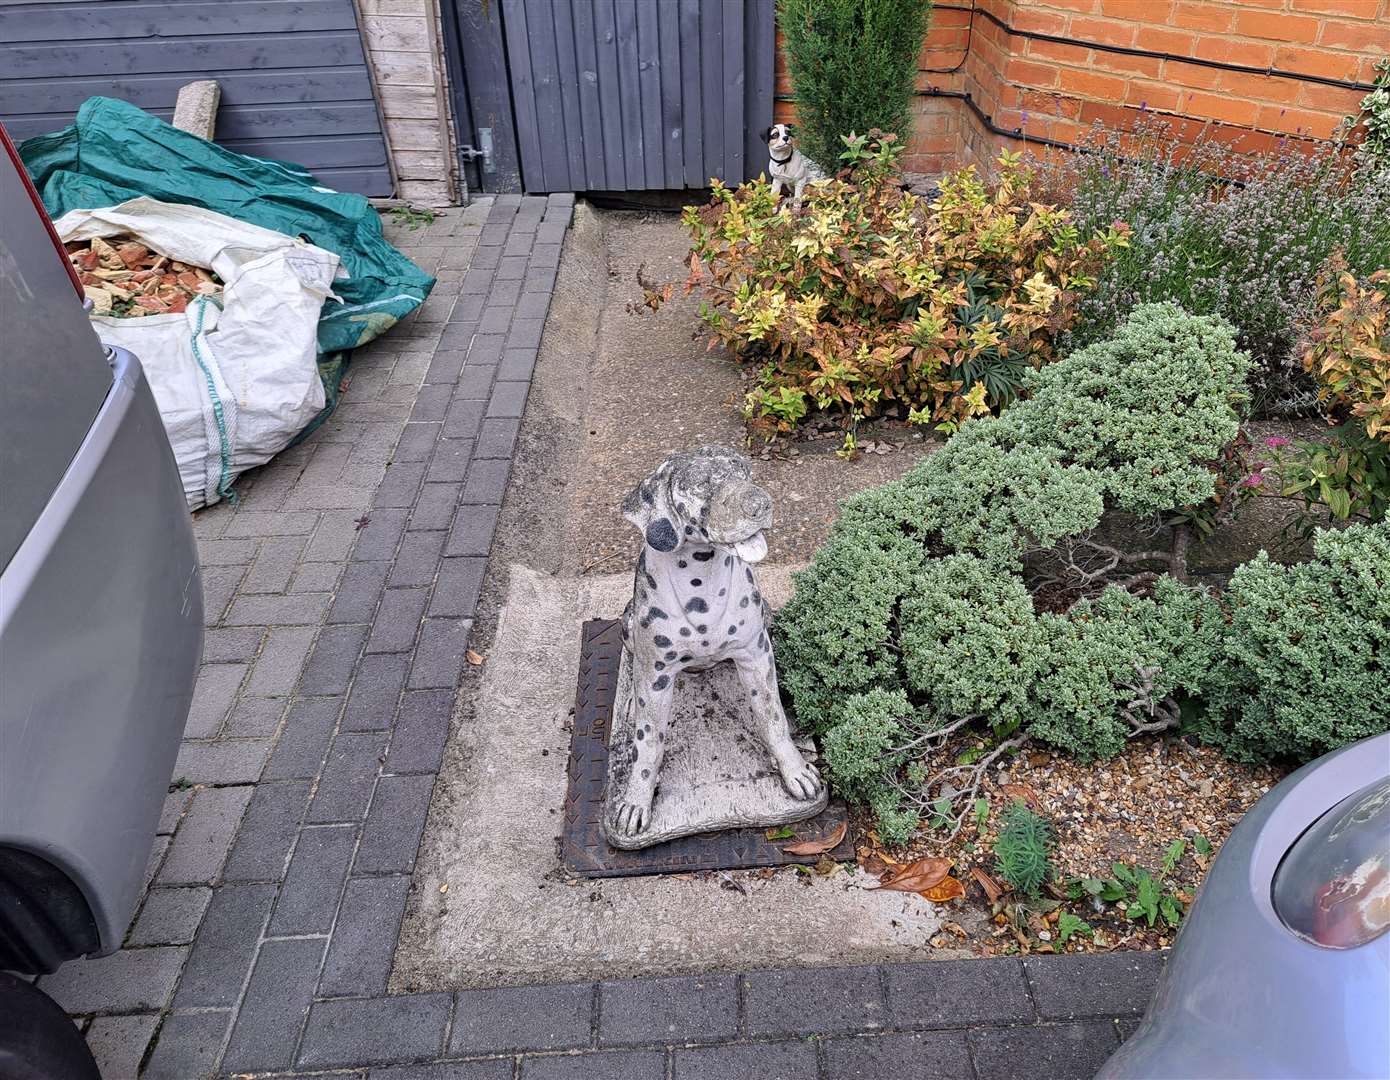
(114, 152)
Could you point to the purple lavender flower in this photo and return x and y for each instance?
(1276, 441)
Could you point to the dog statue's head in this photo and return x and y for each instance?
(779, 139)
(705, 496)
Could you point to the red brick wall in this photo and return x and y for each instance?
(1057, 90)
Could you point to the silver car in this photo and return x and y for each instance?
(1282, 968)
(100, 622)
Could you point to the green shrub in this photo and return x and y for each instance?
(1120, 661)
(1000, 503)
(1147, 410)
(853, 65)
(1023, 849)
(916, 616)
(970, 641)
(859, 749)
(1308, 652)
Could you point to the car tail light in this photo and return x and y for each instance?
(13, 155)
(1333, 885)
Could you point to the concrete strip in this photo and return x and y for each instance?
(509, 916)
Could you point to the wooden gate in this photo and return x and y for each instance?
(611, 95)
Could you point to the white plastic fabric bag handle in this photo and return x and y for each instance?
(219, 412)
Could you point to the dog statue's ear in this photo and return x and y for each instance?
(648, 507)
(765, 134)
(662, 535)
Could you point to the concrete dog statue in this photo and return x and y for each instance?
(787, 165)
(696, 603)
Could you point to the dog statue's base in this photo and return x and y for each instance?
(716, 774)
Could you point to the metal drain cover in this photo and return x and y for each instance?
(586, 852)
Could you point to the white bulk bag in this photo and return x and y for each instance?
(234, 382)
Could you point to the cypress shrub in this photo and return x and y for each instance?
(853, 65)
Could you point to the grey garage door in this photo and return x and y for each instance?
(613, 95)
(295, 84)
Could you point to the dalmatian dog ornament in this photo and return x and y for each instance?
(696, 607)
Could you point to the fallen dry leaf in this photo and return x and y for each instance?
(1024, 794)
(476, 659)
(444, 888)
(873, 864)
(917, 876)
(817, 847)
(948, 888)
(993, 890)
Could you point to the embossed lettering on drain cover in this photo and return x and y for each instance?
(587, 854)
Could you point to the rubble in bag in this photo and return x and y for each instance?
(124, 278)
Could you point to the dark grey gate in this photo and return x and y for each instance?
(613, 95)
(294, 79)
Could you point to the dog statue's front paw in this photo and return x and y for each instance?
(632, 818)
(800, 778)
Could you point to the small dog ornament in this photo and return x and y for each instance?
(787, 165)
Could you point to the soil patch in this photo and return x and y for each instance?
(1129, 809)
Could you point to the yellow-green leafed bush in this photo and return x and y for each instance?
(870, 298)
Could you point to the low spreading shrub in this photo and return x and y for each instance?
(915, 623)
(1308, 652)
(852, 64)
(871, 300)
(1244, 237)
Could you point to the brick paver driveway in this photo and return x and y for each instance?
(340, 593)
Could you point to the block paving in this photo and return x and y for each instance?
(340, 591)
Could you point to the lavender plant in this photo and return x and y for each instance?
(1241, 236)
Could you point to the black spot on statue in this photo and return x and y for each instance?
(733, 630)
(723, 591)
(651, 581)
(686, 658)
(671, 655)
(748, 574)
(662, 682)
(689, 529)
(696, 582)
(661, 535)
(659, 666)
(661, 642)
(646, 774)
(656, 613)
(696, 603)
(743, 602)
(728, 560)
(642, 735)
(682, 563)
(702, 628)
(703, 556)
(685, 631)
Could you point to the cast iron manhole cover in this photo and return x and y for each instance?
(587, 853)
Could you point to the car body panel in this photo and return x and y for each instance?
(100, 639)
(1242, 995)
(100, 598)
(54, 375)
